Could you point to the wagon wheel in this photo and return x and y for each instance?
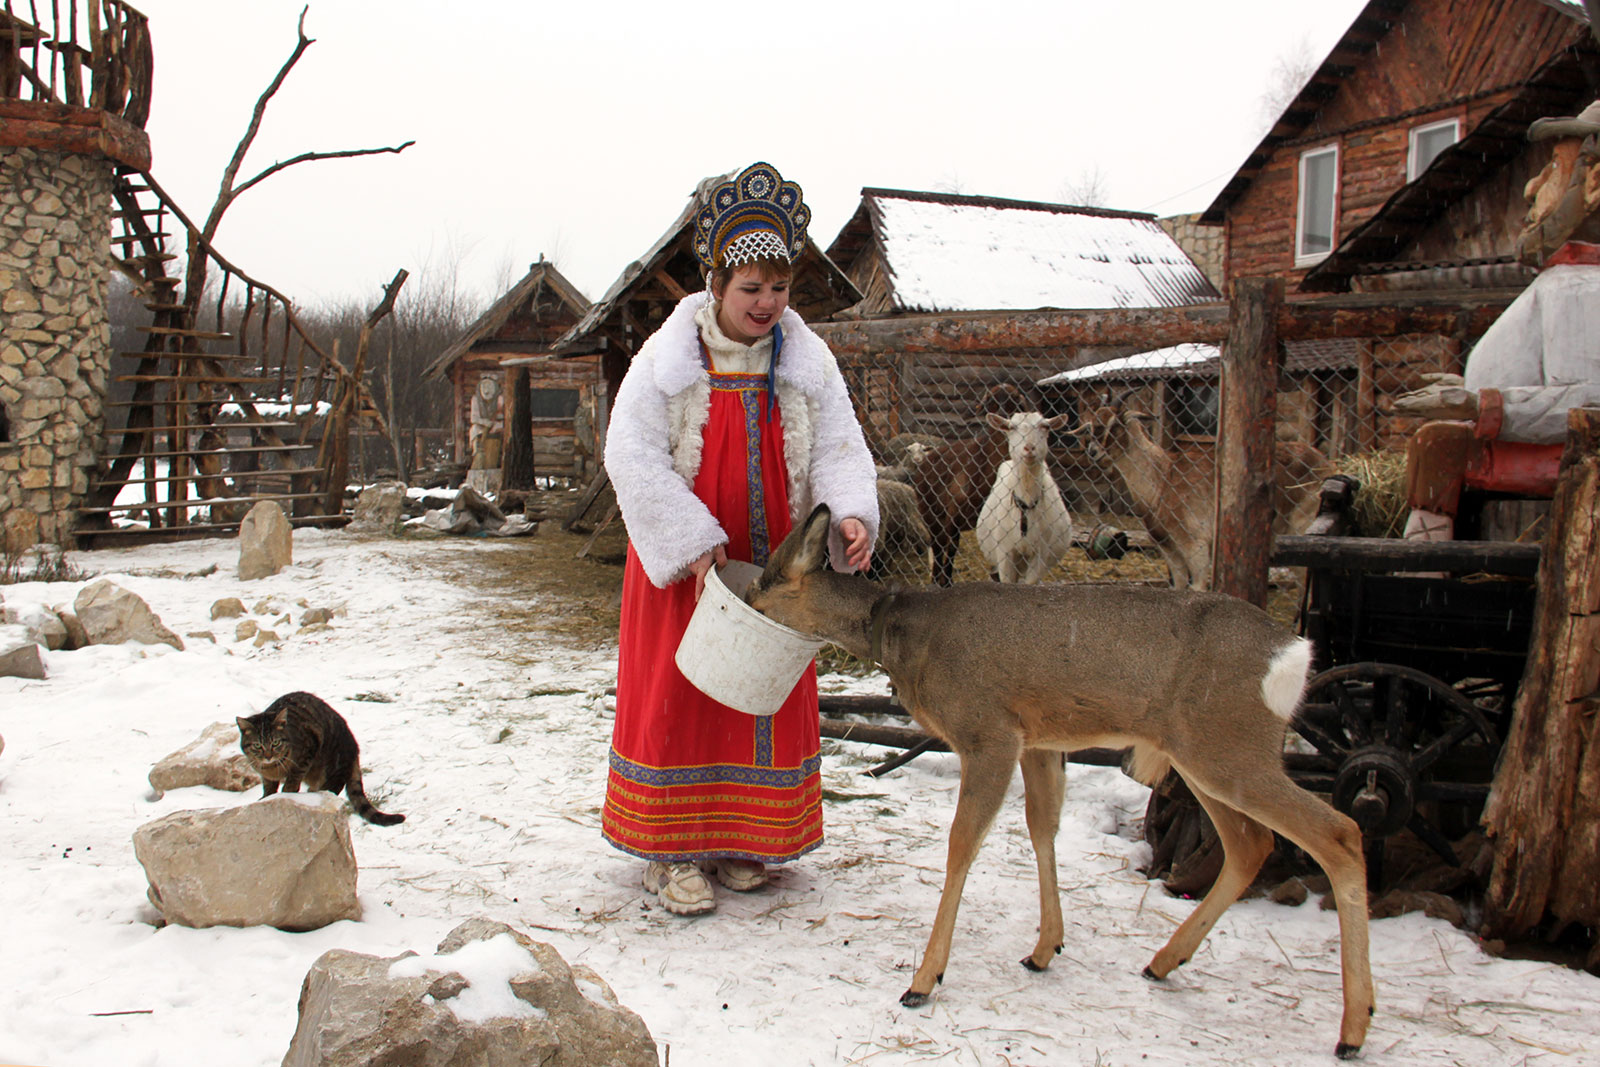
(1392, 745)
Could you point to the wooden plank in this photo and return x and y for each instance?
(1395, 555)
(175, 331)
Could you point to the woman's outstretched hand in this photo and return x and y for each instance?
(857, 547)
(716, 557)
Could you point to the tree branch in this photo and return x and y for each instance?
(306, 157)
(226, 194)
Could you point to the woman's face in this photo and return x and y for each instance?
(748, 306)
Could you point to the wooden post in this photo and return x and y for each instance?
(517, 460)
(1543, 814)
(1245, 439)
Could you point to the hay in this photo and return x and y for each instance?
(1379, 507)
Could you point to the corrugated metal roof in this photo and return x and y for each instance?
(953, 253)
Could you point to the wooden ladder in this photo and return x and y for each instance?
(195, 446)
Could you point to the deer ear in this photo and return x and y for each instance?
(803, 551)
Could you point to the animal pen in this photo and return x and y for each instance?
(1411, 698)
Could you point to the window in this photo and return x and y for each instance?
(552, 403)
(1319, 205)
(1427, 142)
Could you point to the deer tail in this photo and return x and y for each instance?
(1147, 764)
(363, 807)
(1285, 679)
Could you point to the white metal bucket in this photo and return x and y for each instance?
(736, 655)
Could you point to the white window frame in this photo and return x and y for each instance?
(1412, 170)
(1303, 258)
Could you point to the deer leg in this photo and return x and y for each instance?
(1334, 841)
(1246, 844)
(1044, 783)
(985, 773)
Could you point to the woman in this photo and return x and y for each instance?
(732, 422)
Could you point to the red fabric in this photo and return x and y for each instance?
(691, 779)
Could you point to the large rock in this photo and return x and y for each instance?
(111, 615)
(378, 508)
(212, 759)
(266, 541)
(20, 654)
(44, 625)
(490, 997)
(285, 861)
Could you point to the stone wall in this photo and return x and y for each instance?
(55, 340)
(1205, 245)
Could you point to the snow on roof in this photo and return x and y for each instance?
(1140, 364)
(952, 253)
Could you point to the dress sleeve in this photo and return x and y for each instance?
(668, 525)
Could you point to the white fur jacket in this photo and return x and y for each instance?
(655, 436)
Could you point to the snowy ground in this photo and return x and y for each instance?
(497, 756)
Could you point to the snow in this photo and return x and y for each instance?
(1183, 355)
(975, 257)
(495, 749)
(488, 966)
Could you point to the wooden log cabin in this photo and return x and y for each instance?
(1402, 162)
(916, 253)
(510, 346)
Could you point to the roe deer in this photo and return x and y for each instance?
(1197, 681)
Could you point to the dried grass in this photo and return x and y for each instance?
(1379, 507)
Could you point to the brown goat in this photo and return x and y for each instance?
(1174, 493)
(954, 479)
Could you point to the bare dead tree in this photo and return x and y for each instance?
(195, 277)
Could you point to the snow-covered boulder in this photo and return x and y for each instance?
(20, 654)
(266, 541)
(212, 759)
(490, 996)
(111, 615)
(285, 861)
(43, 624)
(378, 508)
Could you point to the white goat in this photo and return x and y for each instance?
(1024, 528)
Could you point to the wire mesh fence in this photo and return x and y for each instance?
(1131, 444)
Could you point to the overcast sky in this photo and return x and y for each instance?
(576, 130)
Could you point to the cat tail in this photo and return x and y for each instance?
(363, 807)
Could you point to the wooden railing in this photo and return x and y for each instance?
(46, 46)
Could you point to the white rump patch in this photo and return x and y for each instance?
(1285, 679)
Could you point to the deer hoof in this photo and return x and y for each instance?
(1153, 976)
(912, 999)
(1345, 1051)
(1027, 961)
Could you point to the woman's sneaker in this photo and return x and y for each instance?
(741, 876)
(682, 888)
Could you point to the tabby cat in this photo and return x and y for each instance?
(300, 738)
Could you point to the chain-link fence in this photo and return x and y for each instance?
(1132, 440)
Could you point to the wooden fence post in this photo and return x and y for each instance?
(1543, 813)
(1245, 439)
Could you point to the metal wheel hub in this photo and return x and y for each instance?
(1377, 788)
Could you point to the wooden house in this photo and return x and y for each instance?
(915, 253)
(1401, 164)
(511, 345)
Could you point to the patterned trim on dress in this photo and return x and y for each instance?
(751, 389)
(775, 777)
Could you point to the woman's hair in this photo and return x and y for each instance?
(769, 269)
